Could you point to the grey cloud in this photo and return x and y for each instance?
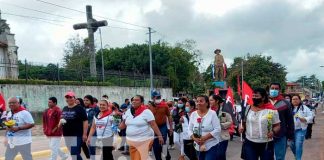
(276, 28)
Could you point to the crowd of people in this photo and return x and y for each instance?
(200, 128)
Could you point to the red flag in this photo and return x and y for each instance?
(2, 103)
(229, 96)
(216, 91)
(239, 85)
(224, 70)
(247, 94)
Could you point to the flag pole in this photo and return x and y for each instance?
(241, 135)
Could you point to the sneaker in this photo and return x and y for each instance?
(171, 147)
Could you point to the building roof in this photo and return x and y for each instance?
(292, 84)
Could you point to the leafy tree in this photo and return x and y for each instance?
(179, 63)
(310, 82)
(76, 55)
(259, 71)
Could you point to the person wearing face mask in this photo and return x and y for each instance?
(288, 98)
(188, 147)
(286, 121)
(226, 121)
(259, 139)
(177, 116)
(162, 117)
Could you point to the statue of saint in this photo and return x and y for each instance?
(219, 66)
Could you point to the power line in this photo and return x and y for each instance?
(60, 6)
(126, 28)
(34, 18)
(46, 20)
(18, 6)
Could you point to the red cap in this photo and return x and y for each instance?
(70, 94)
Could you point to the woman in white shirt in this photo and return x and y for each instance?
(260, 124)
(302, 116)
(141, 126)
(102, 124)
(204, 129)
(188, 147)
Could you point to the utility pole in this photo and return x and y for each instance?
(102, 59)
(91, 25)
(150, 52)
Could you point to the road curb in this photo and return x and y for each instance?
(38, 154)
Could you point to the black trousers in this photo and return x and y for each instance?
(170, 136)
(309, 131)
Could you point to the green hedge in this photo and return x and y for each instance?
(110, 81)
(45, 82)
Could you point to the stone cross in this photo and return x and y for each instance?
(91, 25)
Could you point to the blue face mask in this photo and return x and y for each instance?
(180, 105)
(273, 93)
(187, 109)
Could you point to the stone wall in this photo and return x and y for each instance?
(36, 96)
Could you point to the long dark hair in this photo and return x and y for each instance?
(90, 98)
(81, 102)
(192, 104)
(300, 103)
(263, 94)
(132, 109)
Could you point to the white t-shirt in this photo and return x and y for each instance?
(257, 125)
(210, 124)
(103, 126)
(138, 128)
(20, 137)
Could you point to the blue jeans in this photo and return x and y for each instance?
(297, 144)
(280, 147)
(157, 148)
(254, 151)
(222, 150)
(211, 154)
(74, 145)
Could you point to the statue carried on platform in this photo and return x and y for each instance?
(219, 66)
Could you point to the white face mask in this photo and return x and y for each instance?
(157, 101)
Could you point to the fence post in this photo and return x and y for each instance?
(26, 74)
(144, 80)
(134, 79)
(58, 74)
(119, 77)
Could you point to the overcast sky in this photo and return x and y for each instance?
(291, 31)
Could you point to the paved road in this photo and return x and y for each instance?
(313, 148)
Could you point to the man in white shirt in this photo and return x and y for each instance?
(19, 136)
